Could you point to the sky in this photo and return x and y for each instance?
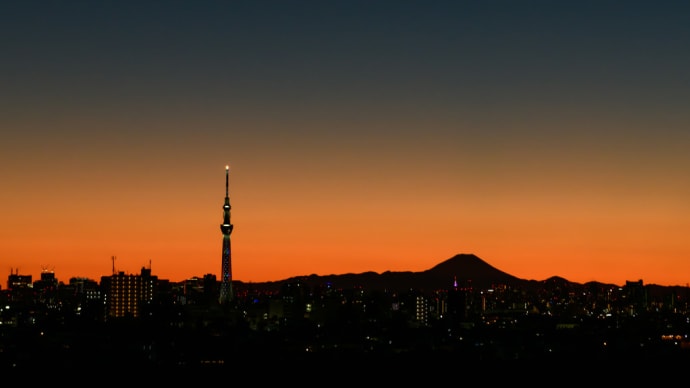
(546, 138)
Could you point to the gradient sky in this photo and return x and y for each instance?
(547, 138)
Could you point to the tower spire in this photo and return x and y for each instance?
(226, 294)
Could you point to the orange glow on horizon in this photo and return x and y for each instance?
(390, 142)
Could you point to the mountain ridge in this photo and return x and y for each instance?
(461, 270)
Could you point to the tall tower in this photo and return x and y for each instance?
(226, 294)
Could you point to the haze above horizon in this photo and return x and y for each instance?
(549, 140)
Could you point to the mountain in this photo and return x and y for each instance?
(466, 269)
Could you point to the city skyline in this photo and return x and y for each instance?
(549, 140)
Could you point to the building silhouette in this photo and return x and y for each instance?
(348, 321)
(126, 294)
(226, 293)
(15, 281)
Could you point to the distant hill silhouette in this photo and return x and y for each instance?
(467, 270)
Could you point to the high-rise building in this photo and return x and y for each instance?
(126, 294)
(226, 294)
(17, 281)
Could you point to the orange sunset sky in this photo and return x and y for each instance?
(547, 139)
